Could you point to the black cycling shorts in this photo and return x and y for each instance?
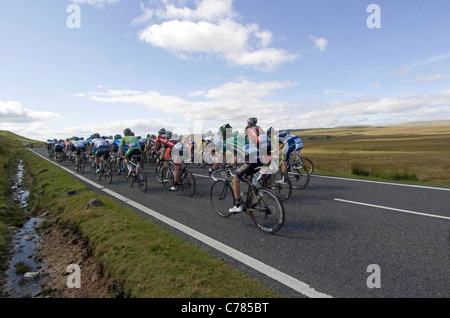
(248, 169)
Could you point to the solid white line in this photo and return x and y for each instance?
(394, 209)
(381, 182)
(267, 270)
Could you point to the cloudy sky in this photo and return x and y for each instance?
(76, 67)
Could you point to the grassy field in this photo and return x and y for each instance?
(415, 154)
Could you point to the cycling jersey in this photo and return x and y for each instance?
(115, 145)
(59, 147)
(100, 148)
(131, 146)
(291, 144)
(79, 146)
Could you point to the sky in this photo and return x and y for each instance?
(78, 67)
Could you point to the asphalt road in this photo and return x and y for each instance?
(342, 238)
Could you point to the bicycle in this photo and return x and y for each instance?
(60, 157)
(80, 164)
(137, 174)
(278, 182)
(298, 172)
(262, 205)
(104, 169)
(307, 163)
(153, 157)
(187, 181)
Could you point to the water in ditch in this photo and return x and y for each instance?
(24, 275)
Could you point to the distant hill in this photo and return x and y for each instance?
(434, 123)
(12, 139)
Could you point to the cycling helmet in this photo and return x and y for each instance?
(162, 131)
(169, 135)
(117, 137)
(252, 120)
(96, 135)
(223, 129)
(127, 132)
(152, 137)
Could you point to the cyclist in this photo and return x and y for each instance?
(227, 141)
(289, 144)
(130, 147)
(99, 147)
(78, 147)
(58, 146)
(165, 142)
(256, 145)
(114, 147)
(49, 146)
(150, 142)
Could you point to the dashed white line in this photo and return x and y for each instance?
(381, 182)
(394, 209)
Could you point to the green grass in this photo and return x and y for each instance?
(418, 155)
(141, 258)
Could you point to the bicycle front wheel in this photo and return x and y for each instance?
(142, 180)
(108, 173)
(299, 176)
(308, 164)
(158, 169)
(280, 184)
(222, 198)
(188, 184)
(266, 210)
(167, 178)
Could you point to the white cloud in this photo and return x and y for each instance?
(235, 101)
(212, 28)
(403, 71)
(97, 3)
(431, 77)
(432, 59)
(320, 43)
(14, 112)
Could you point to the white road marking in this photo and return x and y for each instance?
(265, 269)
(381, 182)
(394, 209)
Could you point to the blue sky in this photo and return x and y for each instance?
(197, 64)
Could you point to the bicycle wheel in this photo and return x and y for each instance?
(108, 173)
(266, 210)
(188, 184)
(81, 167)
(152, 160)
(280, 184)
(142, 180)
(99, 172)
(222, 198)
(167, 178)
(299, 176)
(307, 163)
(130, 177)
(158, 169)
